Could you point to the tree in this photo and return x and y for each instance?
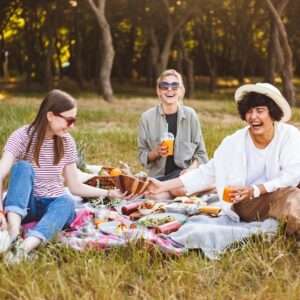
(7, 10)
(173, 16)
(107, 48)
(188, 67)
(283, 50)
(239, 18)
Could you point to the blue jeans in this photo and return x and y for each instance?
(52, 214)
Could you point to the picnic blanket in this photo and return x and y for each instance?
(82, 234)
(212, 235)
(215, 235)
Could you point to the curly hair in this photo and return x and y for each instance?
(254, 99)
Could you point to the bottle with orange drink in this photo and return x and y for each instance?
(167, 140)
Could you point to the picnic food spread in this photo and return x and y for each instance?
(121, 220)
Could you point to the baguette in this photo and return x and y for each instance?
(211, 210)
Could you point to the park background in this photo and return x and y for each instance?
(108, 55)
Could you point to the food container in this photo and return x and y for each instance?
(210, 210)
(101, 215)
(130, 208)
(146, 208)
(131, 184)
(168, 227)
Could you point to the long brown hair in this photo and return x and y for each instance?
(57, 102)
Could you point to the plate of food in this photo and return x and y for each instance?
(154, 220)
(146, 207)
(188, 200)
(118, 228)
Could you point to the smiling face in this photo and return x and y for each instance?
(169, 90)
(60, 124)
(260, 122)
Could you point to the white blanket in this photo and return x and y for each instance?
(214, 235)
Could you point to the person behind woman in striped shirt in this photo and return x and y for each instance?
(40, 156)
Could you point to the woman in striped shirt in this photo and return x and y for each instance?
(41, 156)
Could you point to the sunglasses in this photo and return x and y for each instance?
(70, 120)
(165, 85)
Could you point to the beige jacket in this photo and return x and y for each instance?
(189, 144)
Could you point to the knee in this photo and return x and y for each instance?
(70, 204)
(63, 208)
(23, 167)
(66, 203)
(69, 209)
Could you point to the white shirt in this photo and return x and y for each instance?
(256, 162)
(282, 162)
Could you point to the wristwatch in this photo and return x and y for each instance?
(256, 191)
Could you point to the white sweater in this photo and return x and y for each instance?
(282, 163)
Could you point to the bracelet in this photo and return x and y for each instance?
(256, 191)
(2, 213)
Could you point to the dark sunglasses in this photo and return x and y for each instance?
(70, 120)
(165, 85)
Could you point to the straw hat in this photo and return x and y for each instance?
(268, 90)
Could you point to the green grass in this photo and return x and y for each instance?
(258, 269)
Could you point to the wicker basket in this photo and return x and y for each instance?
(104, 182)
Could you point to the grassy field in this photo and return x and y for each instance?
(256, 270)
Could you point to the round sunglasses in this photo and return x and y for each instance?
(70, 120)
(165, 85)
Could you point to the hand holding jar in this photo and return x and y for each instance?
(166, 146)
(235, 191)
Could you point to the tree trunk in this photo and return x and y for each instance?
(50, 28)
(149, 69)
(5, 64)
(270, 65)
(165, 53)
(172, 29)
(188, 68)
(48, 76)
(108, 51)
(130, 53)
(283, 52)
(154, 53)
(77, 52)
(210, 65)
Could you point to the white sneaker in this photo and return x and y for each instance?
(17, 254)
(5, 241)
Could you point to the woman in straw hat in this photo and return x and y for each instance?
(263, 157)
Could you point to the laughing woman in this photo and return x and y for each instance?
(170, 116)
(40, 156)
